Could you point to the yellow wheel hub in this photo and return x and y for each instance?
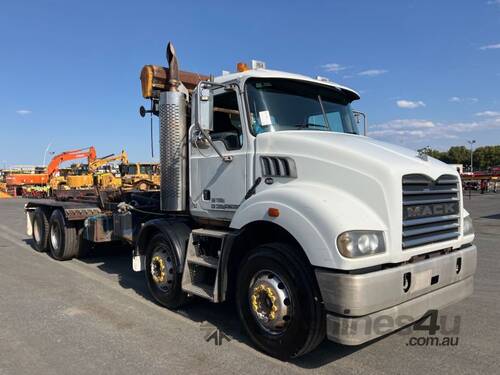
(270, 302)
(260, 295)
(158, 269)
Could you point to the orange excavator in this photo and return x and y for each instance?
(20, 184)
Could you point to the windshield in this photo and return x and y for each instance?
(146, 169)
(280, 104)
(129, 169)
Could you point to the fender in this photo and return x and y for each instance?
(314, 214)
(177, 232)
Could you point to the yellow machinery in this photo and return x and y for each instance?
(89, 176)
(141, 176)
(80, 178)
(108, 180)
(58, 179)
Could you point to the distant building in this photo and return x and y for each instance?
(26, 169)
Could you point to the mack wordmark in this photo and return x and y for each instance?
(272, 199)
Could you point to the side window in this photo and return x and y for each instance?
(227, 122)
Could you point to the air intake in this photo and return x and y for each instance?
(274, 166)
(173, 133)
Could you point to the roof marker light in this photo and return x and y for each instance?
(322, 79)
(257, 64)
(242, 67)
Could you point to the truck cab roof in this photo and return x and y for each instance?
(265, 73)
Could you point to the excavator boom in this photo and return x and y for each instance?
(56, 161)
(44, 178)
(97, 163)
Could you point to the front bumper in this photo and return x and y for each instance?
(354, 301)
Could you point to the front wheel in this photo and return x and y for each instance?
(278, 301)
(162, 272)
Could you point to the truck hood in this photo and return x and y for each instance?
(351, 170)
(351, 151)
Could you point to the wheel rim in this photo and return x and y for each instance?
(162, 269)
(55, 236)
(36, 231)
(270, 302)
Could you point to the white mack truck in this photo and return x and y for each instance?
(271, 198)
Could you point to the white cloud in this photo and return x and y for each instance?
(417, 129)
(405, 124)
(333, 67)
(372, 72)
(409, 104)
(23, 112)
(488, 114)
(457, 99)
(490, 46)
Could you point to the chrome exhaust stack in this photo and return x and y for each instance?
(173, 141)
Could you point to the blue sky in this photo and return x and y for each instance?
(428, 71)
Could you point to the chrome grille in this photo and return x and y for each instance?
(431, 209)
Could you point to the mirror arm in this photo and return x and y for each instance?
(365, 120)
(225, 158)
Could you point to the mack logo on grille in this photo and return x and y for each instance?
(426, 210)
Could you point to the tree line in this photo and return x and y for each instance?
(483, 157)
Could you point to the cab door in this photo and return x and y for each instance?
(218, 187)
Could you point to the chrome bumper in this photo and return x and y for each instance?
(352, 301)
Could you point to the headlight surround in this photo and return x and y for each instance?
(468, 226)
(360, 243)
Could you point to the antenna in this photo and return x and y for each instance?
(142, 112)
(151, 128)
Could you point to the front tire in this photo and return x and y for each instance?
(162, 272)
(278, 301)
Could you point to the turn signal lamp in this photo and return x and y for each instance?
(273, 212)
(242, 67)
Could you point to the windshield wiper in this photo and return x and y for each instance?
(323, 110)
(305, 126)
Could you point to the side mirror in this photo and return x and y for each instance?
(204, 108)
(357, 117)
(205, 115)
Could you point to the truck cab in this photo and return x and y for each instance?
(383, 227)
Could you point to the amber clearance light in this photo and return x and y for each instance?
(242, 67)
(273, 212)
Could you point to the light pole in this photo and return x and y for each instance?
(471, 142)
(45, 153)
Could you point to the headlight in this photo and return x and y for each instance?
(468, 227)
(358, 243)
